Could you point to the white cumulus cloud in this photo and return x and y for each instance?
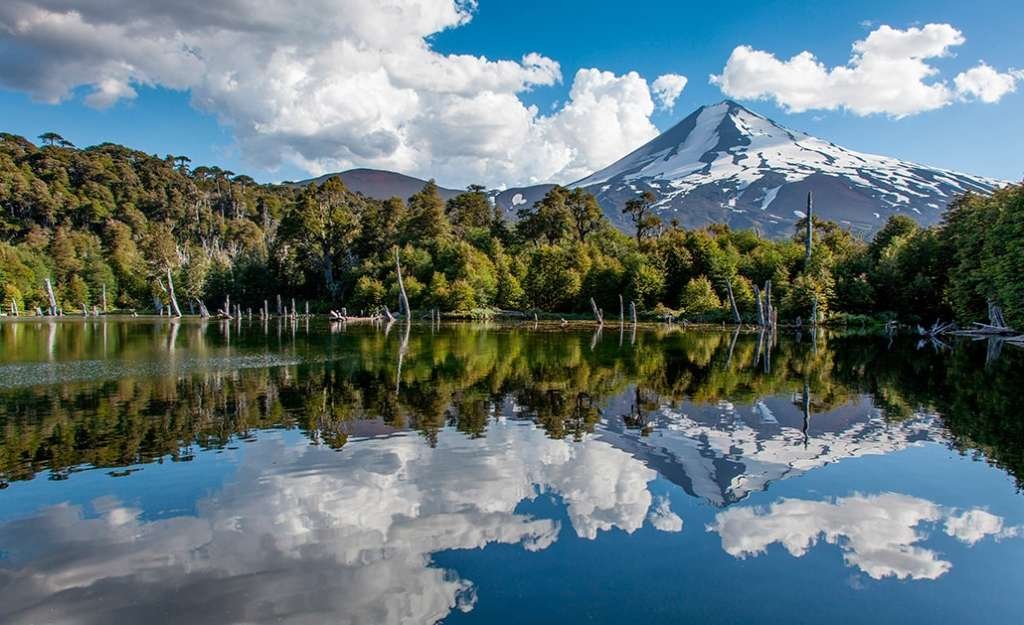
(667, 88)
(985, 83)
(888, 73)
(332, 84)
(878, 534)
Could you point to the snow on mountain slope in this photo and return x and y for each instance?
(724, 453)
(725, 163)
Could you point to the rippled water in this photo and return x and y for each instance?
(306, 473)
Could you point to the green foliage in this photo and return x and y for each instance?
(985, 235)
(639, 212)
(553, 280)
(369, 293)
(470, 210)
(699, 298)
(110, 218)
(547, 220)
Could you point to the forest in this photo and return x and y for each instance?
(107, 223)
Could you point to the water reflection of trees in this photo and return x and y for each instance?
(465, 376)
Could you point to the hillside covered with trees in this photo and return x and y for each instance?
(111, 219)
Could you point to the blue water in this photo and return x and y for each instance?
(477, 488)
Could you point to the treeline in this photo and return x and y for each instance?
(114, 220)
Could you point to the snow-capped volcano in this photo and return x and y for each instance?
(727, 164)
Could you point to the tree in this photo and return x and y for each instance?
(325, 226)
(638, 210)
(182, 162)
(552, 280)
(379, 226)
(426, 217)
(585, 211)
(549, 219)
(699, 297)
(471, 209)
(52, 138)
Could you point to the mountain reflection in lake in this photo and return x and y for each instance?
(301, 473)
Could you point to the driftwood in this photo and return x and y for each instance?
(938, 329)
(996, 325)
(225, 313)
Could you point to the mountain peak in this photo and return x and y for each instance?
(725, 163)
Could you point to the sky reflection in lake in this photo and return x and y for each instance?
(506, 475)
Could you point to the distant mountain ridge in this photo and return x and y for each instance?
(380, 184)
(724, 163)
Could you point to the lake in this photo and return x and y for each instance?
(301, 472)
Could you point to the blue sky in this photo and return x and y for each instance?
(651, 38)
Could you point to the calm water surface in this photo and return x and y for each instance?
(301, 473)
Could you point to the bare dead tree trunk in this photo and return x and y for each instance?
(403, 301)
(760, 306)
(622, 310)
(53, 300)
(632, 311)
(278, 304)
(170, 293)
(597, 312)
(732, 302)
(814, 311)
(104, 300)
(266, 310)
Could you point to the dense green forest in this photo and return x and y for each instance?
(109, 218)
